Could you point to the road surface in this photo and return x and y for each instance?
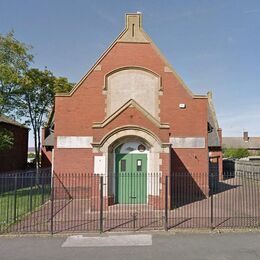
(180, 246)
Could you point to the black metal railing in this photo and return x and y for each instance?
(21, 194)
(81, 202)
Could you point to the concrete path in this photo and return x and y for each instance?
(112, 241)
(213, 246)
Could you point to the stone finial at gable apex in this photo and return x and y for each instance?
(133, 29)
(133, 19)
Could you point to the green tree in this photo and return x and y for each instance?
(235, 153)
(6, 139)
(15, 58)
(26, 92)
(36, 94)
(14, 61)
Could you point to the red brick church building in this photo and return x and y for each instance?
(132, 113)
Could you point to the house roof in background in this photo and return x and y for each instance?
(238, 142)
(10, 121)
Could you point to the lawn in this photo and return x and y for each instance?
(14, 205)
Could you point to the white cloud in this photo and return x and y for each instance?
(252, 11)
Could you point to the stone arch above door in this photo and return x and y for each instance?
(139, 84)
(125, 131)
(114, 138)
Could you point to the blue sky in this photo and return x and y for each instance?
(212, 44)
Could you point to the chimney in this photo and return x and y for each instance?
(245, 136)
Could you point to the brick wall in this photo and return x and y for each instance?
(16, 157)
(74, 115)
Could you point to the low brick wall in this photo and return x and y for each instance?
(250, 169)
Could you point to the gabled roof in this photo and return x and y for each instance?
(130, 103)
(49, 140)
(213, 137)
(133, 33)
(9, 121)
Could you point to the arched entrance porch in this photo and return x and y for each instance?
(133, 165)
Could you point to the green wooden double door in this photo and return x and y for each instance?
(131, 178)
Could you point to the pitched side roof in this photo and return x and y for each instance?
(49, 141)
(132, 33)
(213, 137)
(238, 142)
(8, 120)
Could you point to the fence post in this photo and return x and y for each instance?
(211, 201)
(52, 201)
(15, 196)
(31, 192)
(42, 177)
(166, 205)
(101, 206)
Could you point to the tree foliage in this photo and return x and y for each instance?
(235, 153)
(15, 58)
(6, 139)
(28, 93)
(37, 94)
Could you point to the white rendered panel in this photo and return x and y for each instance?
(74, 141)
(187, 142)
(139, 85)
(99, 165)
